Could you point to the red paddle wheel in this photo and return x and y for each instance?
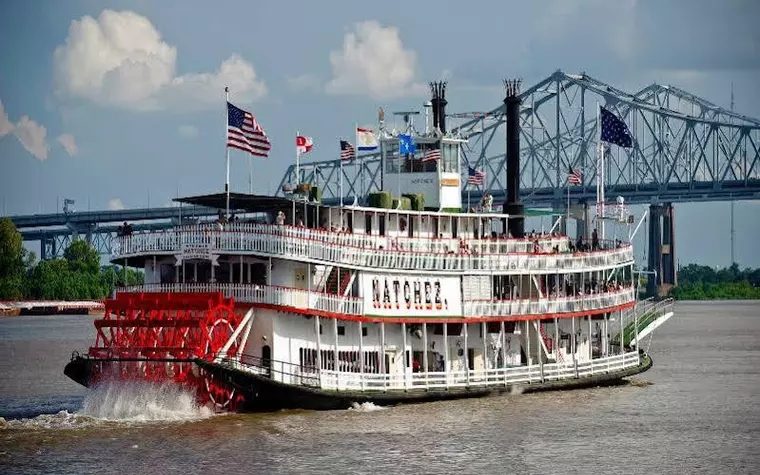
(156, 336)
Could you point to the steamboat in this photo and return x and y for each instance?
(402, 296)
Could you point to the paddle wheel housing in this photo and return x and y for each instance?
(156, 337)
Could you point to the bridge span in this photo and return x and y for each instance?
(686, 149)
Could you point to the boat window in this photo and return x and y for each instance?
(364, 331)
(341, 330)
(381, 224)
(368, 223)
(392, 162)
(414, 163)
(450, 157)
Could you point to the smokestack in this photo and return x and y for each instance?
(512, 205)
(438, 92)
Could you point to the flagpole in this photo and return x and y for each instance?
(298, 162)
(356, 160)
(567, 219)
(226, 132)
(600, 173)
(340, 165)
(250, 173)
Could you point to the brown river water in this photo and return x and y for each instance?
(696, 411)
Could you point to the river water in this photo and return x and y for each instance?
(696, 411)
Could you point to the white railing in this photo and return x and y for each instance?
(293, 374)
(266, 294)
(336, 304)
(578, 303)
(372, 251)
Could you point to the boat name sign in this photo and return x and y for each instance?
(200, 251)
(406, 295)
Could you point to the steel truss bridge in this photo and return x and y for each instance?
(685, 149)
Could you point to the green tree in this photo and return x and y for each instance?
(12, 254)
(82, 257)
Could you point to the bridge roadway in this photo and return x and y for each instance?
(61, 226)
(54, 231)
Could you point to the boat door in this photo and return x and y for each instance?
(391, 363)
(266, 359)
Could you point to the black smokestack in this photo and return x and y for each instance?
(512, 205)
(438, 100)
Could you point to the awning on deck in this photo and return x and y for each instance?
(238, 202)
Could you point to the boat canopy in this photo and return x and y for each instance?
(238, 202)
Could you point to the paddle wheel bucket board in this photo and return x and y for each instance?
(156, 336)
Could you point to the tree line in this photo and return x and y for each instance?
(697, 282)
(78, 275)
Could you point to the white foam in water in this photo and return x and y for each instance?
(365, 407)
(59, 420)
(121, 402)
(143, 401)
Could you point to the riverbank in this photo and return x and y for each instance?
(51, 307)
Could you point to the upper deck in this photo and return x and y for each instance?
(445, 254)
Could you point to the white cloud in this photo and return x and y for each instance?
(115, 204)
(6, 126)
(32, 136)
(121, 60)
(374, 62)
(188, 131)
(68, 143)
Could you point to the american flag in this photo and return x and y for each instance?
(347, 151)
(614, 130)
(574, 177)
(475, 177)
(244, 133)
(432, 155)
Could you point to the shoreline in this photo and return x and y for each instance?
(51, 307)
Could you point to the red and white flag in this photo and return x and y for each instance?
(304, 144)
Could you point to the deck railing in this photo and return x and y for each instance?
(289, 373)
(571, 304)
(336, 304)
(375, 251)
(266, 294)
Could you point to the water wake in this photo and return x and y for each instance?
(143, 401)
(365, 407)
(120, 402)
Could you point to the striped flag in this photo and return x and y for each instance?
(575, 177)
(244, 133)
(347, 151)
(475, 177)
(432, 155)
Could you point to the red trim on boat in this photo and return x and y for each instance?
(374, 319)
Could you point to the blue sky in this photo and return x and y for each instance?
(120, 103)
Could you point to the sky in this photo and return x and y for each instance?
(120, 104)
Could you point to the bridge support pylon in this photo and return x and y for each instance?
(662, 249)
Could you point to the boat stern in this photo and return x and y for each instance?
(78, 369)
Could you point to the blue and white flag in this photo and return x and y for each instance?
(365, 139)
(406, 145)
